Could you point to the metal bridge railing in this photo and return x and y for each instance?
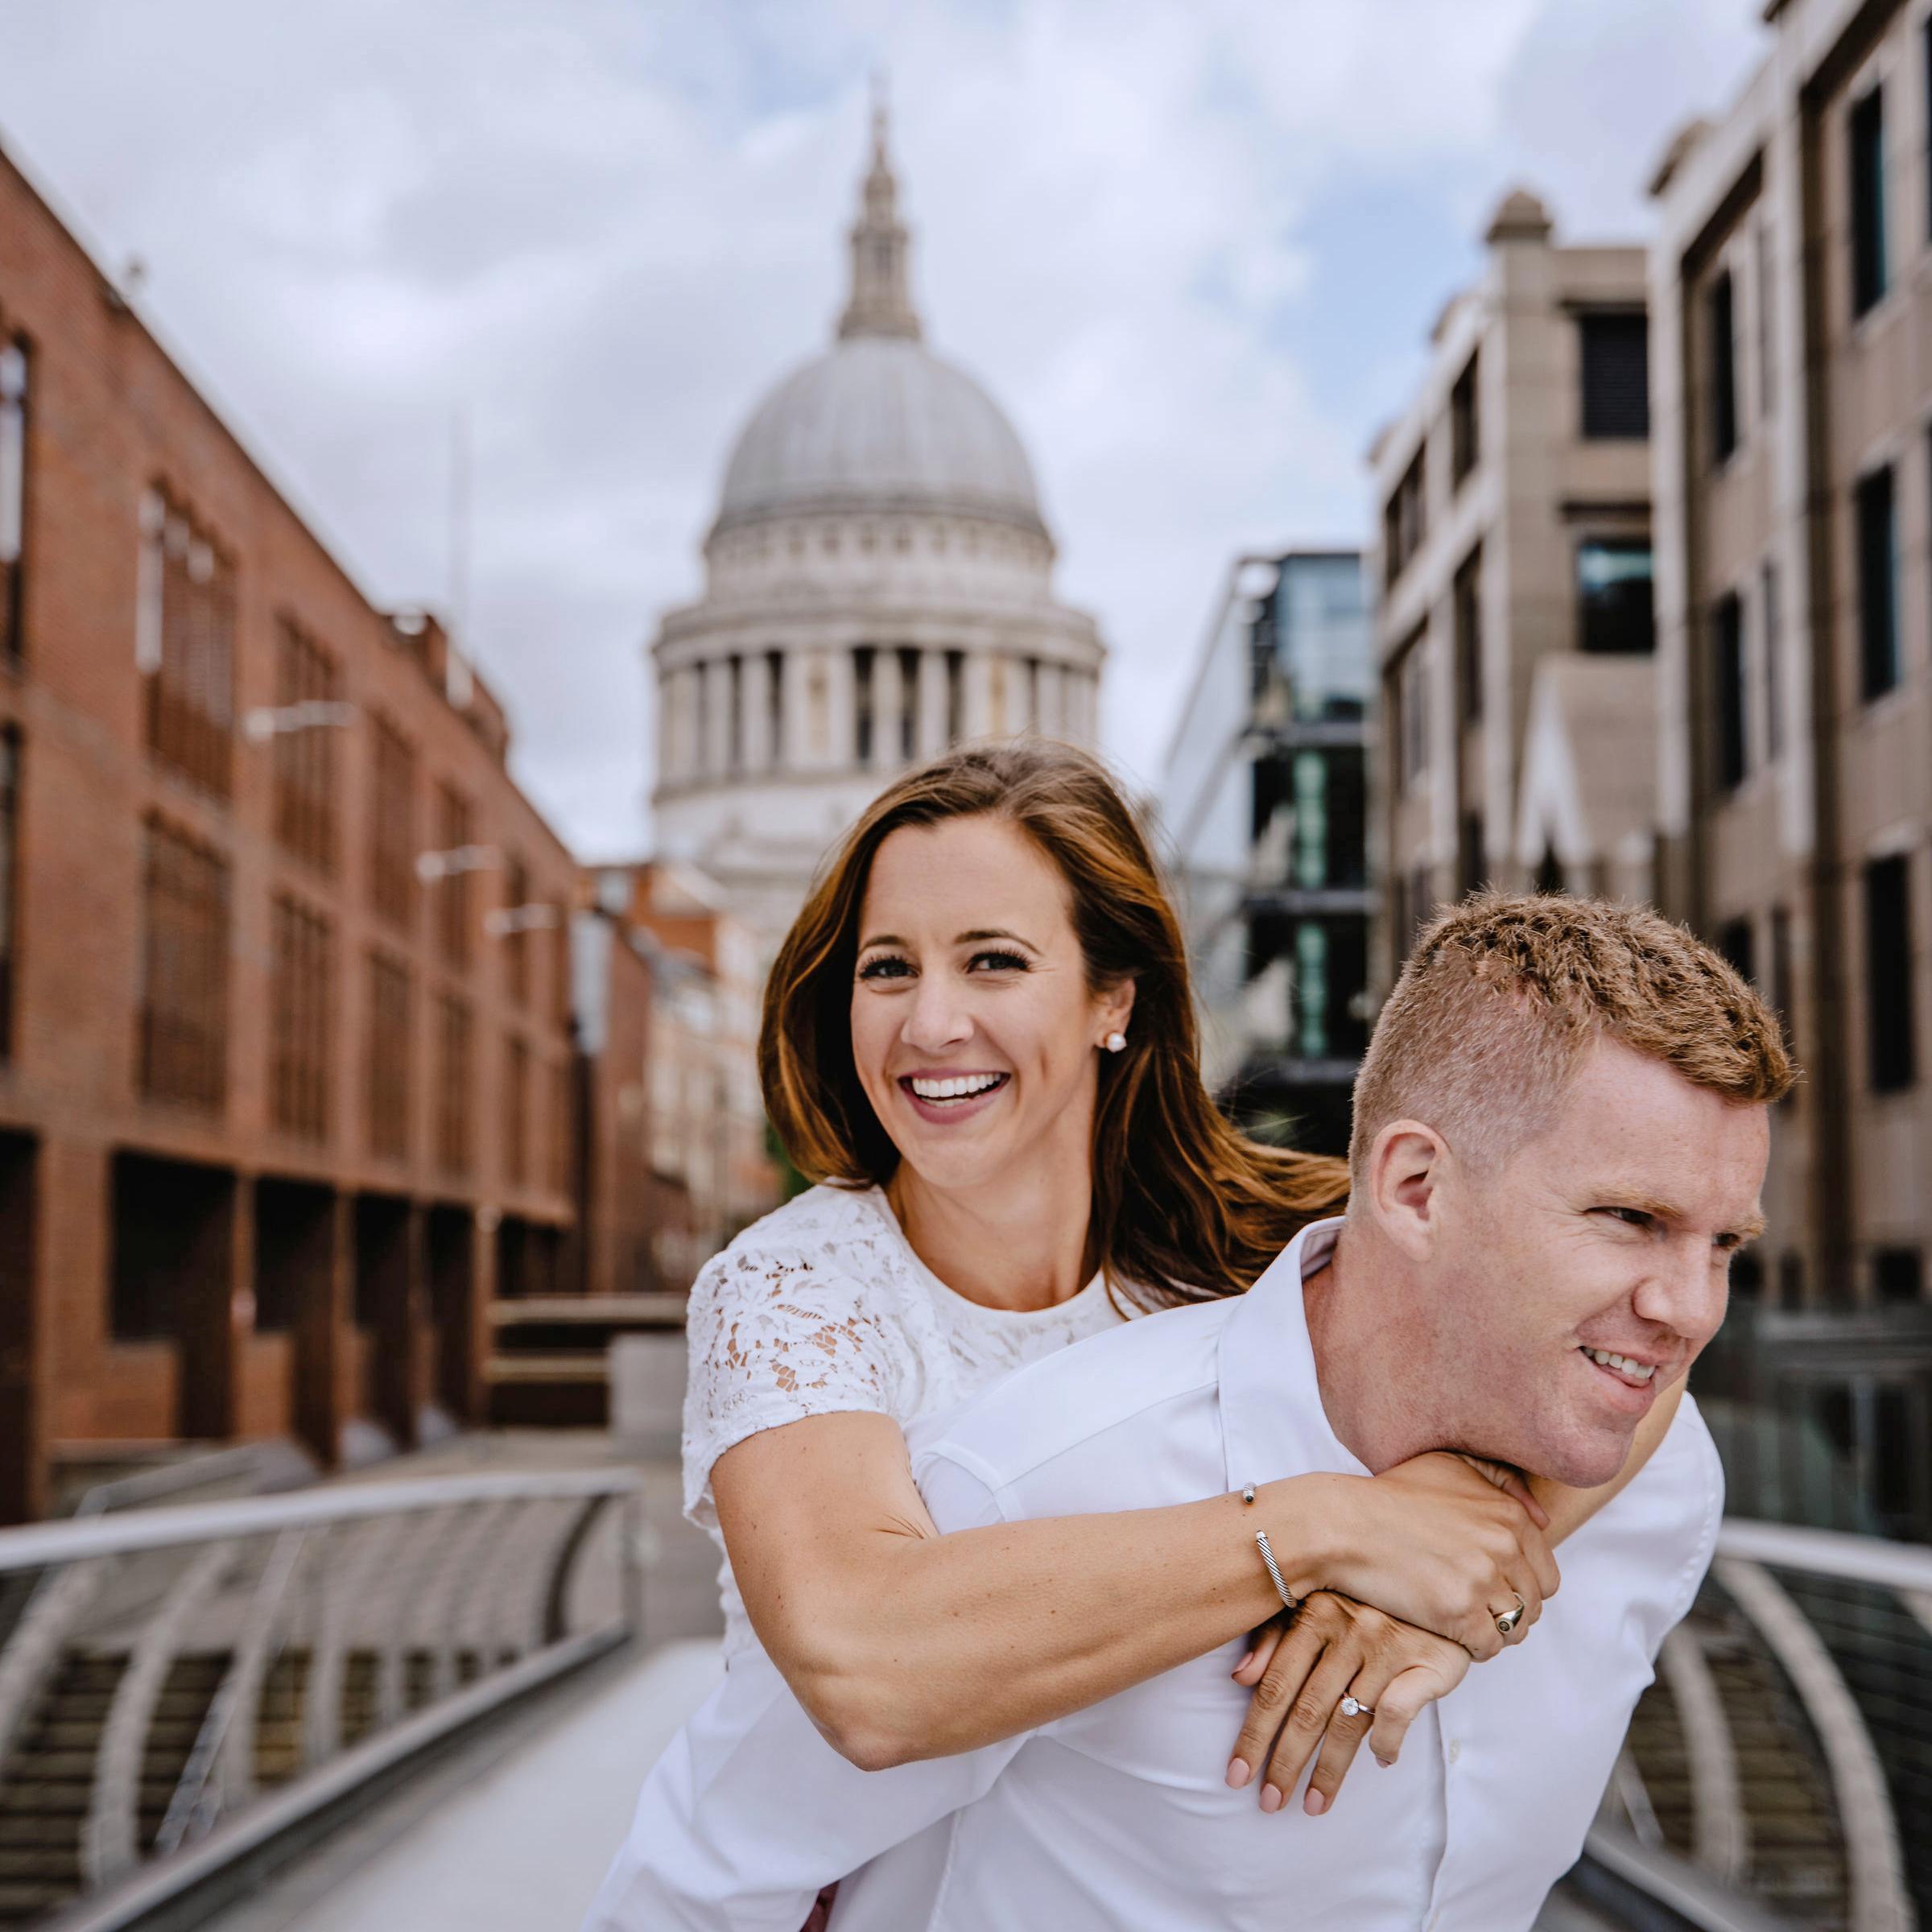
(1779, 1772)
(181, 1684)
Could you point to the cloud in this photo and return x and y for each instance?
(1193, 251)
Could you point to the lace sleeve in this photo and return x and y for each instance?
(774, 1337)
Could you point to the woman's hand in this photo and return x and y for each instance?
(1299, 1670)
(1445, 1543)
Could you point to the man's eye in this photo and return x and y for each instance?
(886, 968)
(1631, 1217)
(1000, 962)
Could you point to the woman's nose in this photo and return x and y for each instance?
(938, 1018)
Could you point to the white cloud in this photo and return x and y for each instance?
(602, 228)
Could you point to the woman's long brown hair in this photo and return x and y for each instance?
(1185, 1208)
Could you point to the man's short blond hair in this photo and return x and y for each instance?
(1505, 994)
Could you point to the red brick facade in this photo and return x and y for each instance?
(256, 1170)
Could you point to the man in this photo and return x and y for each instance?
(1561, 1130)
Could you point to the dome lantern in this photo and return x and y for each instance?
(881, 302)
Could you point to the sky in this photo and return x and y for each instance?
(1193, 247)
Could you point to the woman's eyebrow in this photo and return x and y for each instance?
(880, 938)
(992, 932)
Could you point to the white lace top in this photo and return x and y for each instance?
(822, 1307)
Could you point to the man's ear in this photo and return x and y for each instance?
(1403, 1182)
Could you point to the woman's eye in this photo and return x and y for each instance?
(886, 968)
(1000, 962)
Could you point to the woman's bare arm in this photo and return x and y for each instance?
(903, 1644)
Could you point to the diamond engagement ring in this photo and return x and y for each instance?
(1507, 1621)
(1351, 1708)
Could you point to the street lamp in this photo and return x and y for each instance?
(503, 920)
(263, 723)
(431, 866)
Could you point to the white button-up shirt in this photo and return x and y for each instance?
(1117, 1818)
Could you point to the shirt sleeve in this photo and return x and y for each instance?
(750, 1813)
(777, 1335)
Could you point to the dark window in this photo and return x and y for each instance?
(9, 868)
(1791, 1279)
(516, 1111)
(1735, 941)
(1615, 602)
(1732, 693)
(183, 1004)
(305, 757)
(1616, 377)
(1720, 351)
(1404, 520)
(1550, 877)
(1746, 1275)
(1898, 1274)
(452, 1085)
(774, 709)
(452, 894)
(1771, 630)
(1781, 991)
(734, 727)
(390, 1030)
(393, 826)
(1467, 596)
(299, 1007)
(1465, 424)
(516, 937)
(862, 710)
(1892, 1062)
(1865, 135)
(184, 635)
(956, 696)
(1877, 523)
(14, 374)
(909, 703)
(1471, 863)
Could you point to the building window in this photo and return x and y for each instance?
(1467, 599)
(1791, 1279)
(1865, 137)
(1783, 989)
(452, 1085)
(864, 716)
(774, 709)
(1720, 351)
(1737, 942)
(184, 1000)
(1471, 862)
(1875, 514)
(734, 713)
(1311, 989)
(9, 872)
(185, 632)
(13, 499)
(453, 833)
(390, 1029)
(1893, 1060)
(1747, 1276)
(1411, 733)
(393, 826)
(516, 1111)
(1771, 629)
(1465, 425)
(1615, 606)
(299, 1004)
(909, 703)
(1311, 782)
(956, 696)
(1615, 356)
(1898, 1274)
(1732, 692)
(305, 759)
(1404, 520)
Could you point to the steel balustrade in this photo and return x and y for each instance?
(183, 1682)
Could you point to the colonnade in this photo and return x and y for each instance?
(877, 707)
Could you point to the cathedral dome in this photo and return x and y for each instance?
(879, 423)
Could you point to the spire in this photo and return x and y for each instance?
(880, 304)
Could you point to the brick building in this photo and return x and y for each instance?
(284, 1027)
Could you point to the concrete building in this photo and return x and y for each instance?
(1791, 294)
(878, 586)
(1514, 537)
(284, 1051)
(1264, 803)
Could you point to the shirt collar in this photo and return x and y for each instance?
(1273, 1422)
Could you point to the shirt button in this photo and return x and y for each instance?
(1455, 1751)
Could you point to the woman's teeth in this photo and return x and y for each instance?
(962, 1088)
(1640, 1372)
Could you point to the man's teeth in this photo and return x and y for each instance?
(956, 1089)
(1641, 1371)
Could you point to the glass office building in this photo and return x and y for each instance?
(1263, 801)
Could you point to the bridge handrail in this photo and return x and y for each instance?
(38, 1545)
(1906, 1567)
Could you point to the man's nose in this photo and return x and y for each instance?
(1687, 1292)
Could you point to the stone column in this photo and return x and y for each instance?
(978, 720)
(718, 720)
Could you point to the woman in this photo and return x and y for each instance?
(979, 1037)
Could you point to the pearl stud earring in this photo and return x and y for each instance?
(1116, 1042)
